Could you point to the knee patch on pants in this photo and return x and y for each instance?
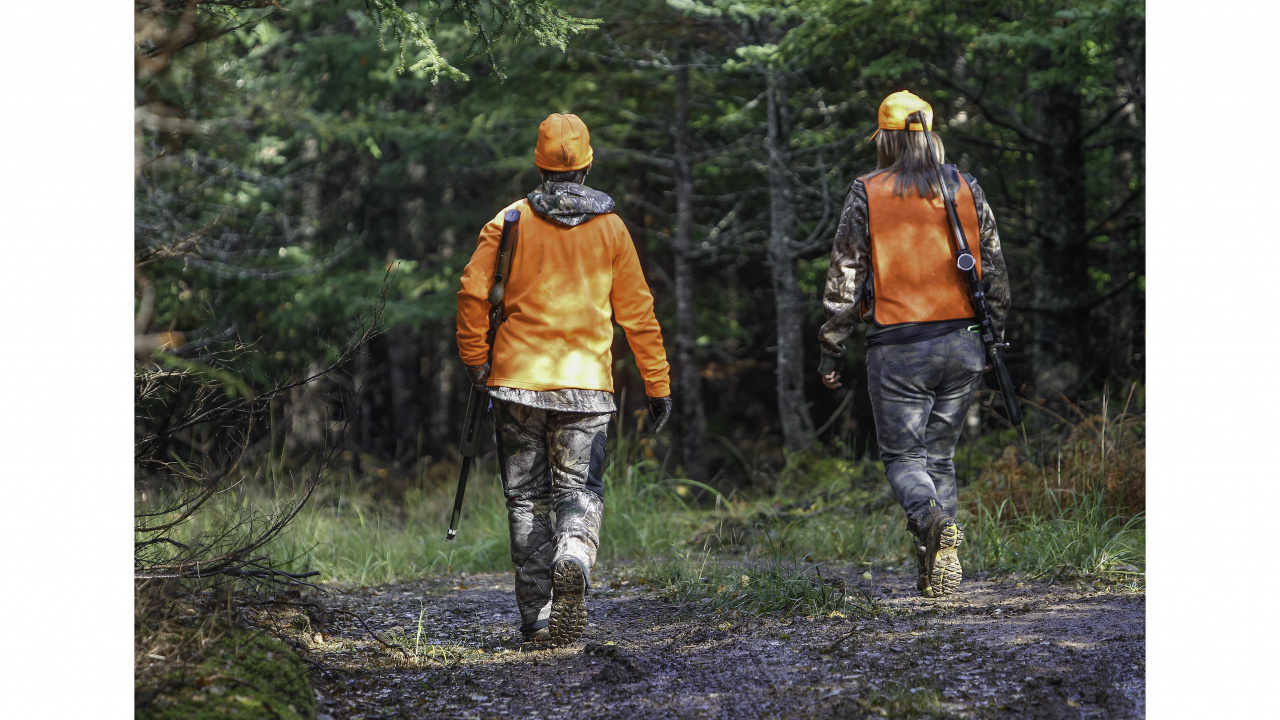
(595, 470)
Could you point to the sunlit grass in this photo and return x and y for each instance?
(819, 509)
(1082, 541)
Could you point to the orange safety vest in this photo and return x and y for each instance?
(913, 263)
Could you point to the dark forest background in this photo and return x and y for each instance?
(295, 161)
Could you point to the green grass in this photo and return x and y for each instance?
(819, 509)
(780, 584)
(352, 536)
(1081, 541)
(355, 537)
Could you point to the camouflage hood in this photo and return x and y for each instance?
(569, 204)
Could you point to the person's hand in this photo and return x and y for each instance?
(831, 380)
(660, 412)
(478, 374)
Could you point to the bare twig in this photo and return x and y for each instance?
(360, 619)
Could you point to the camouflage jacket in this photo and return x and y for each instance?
(849, 277)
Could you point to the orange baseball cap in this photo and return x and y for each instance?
(895, 109)
(563, 144)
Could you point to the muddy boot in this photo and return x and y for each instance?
(940, 571)
(568, 601)
(535, 633)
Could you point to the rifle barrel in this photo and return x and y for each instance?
(457, 498)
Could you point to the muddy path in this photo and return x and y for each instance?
(1000, 649)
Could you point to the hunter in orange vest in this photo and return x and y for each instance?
(893, 267)
(574, 271)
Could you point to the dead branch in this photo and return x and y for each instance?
(235, 549)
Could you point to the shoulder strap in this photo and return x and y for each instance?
(952, 175)
(506, 248)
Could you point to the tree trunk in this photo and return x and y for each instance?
(444, 370)
(693, 419)
(1061, 269)
(797, 427)
(307, 418)
(403, 361)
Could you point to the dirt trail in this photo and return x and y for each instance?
(1001, 649)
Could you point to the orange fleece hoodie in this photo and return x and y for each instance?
(564, 285)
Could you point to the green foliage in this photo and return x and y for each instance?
(324, 158)
(490, 22)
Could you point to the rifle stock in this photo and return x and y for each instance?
(478, 400)
(1006, 387)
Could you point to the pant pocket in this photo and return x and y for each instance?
(595, 469)
(910, 360)
(973, 352)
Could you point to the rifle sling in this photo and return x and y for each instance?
(502, 270)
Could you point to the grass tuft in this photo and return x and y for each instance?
(920, 698)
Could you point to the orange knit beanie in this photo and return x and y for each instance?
(563, 144)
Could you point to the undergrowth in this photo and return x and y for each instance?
(1065, 502)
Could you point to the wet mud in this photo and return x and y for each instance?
(999, 649)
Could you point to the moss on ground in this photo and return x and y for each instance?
(244, 675)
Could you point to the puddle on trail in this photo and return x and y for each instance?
(1000, 649)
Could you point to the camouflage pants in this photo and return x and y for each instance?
(920, 394)
(550, 461)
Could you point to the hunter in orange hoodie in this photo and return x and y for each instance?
(574, 270)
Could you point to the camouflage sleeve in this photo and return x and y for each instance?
(993, 269)
(847, 278)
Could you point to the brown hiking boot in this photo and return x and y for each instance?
(568, 601)
(939, 562)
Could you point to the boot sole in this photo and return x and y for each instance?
(947, 573)
(568, 603)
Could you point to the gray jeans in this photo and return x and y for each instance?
(920, 394)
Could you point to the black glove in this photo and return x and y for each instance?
(660, 412)
(478, 374)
